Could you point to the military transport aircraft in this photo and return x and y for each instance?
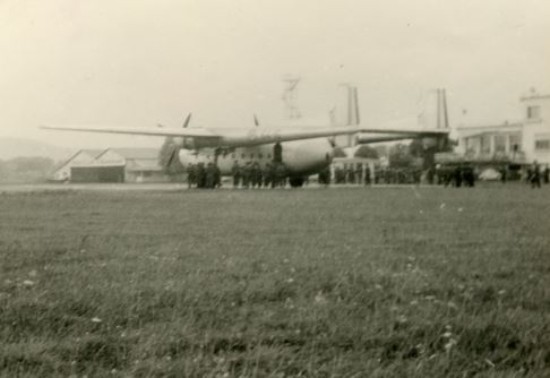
(304, 151)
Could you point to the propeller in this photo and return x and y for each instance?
(173, 154)
(170, 149)
(187, 120)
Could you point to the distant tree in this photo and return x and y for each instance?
(31, 165)
(3, 170)
(400, 156)
(366, 152)
(415, 148)
(381, 150)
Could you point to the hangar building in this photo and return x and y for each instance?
(112, 165)
(520, 143)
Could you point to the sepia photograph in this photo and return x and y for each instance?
(261, 188)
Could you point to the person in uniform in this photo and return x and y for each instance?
(191, 175)
(210, 176)
(457, 175)
(503, 174)
(359, 173)
(255, 175)
(246, 175)
(546, 174)
(277, 153)
(280, 174)
(367, 175)
(469, 176)
(217, 176)
(201, 175)
(236, 173)
(535, 175)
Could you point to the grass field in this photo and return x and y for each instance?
(402, 282)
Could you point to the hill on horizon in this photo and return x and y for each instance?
(11, 147)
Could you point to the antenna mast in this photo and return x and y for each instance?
(289, 97)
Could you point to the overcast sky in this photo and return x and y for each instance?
(139, 63)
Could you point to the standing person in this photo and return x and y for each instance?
(527, 175)
(280, 174)
(458, 176)
(469, 176)
(535, 175)
(246, 175)
(277, 153)
(191, 175)
(546, 174)
(258, 172)
(367, 175)
(201, 175)
(236, 173)
(210, 176)
(351, 175)
(503, 174)
(217, 176)
(268, 174)
(359, 173)
(256, 175)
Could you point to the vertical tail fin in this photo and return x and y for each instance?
(434, 114)
(442, 115)
(353, 113)
(346, 114)
(353, 107)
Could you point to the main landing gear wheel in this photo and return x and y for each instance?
(296, 182)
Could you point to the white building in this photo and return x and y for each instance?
(521, 142)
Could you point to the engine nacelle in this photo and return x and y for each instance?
(187, 157)
(440, 143)
(430, 142)
(189, 143)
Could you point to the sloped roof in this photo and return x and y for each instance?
(137, 153)
(92, 152)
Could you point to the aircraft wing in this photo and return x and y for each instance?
(226, 137)
(410, 132)
(221, 137)
(160, 131)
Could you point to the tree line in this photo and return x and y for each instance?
(26, 169)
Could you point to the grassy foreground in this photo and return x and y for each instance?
(330, 283)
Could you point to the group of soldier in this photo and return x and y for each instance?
(534, 176)
(253, 175)
(274, 174)
(204, 177)
(248, 175)
(349, 174)
(456, 176)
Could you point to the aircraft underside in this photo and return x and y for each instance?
(300, 158)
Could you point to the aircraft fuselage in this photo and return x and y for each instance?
(301, 158)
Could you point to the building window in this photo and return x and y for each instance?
(260, 155)
(243, 156)
(485, 142)
(542, 145)
(533, 112)
(515, 142)
(500, 143)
